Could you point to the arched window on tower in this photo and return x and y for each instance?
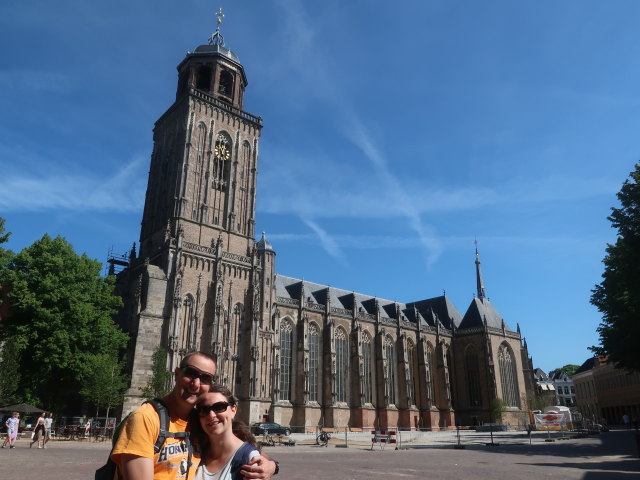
(286, 359)
(472, 369)
(367, 358)
(225, 87)
(244, 192)
(390, 377)
(221, 162)
(314, 356)
(411, 359)
(203, 78)
(508, 377)
(342, 365)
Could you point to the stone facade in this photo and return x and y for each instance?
(294, 352)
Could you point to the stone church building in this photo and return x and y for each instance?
(294, 352)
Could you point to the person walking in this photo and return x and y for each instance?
(38, 432)
(48, 421)
(12, 424)
(133, 451)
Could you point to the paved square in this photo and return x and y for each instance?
(609, 456)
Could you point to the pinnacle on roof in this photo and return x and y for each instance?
(479, 282)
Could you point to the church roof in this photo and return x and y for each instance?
(481, 311)
(427, 312)
(218, 50)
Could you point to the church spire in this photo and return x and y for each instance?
(479, 282)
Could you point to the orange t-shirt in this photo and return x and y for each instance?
(139, 435)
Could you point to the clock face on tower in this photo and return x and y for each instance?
(221, 151)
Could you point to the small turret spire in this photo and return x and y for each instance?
(217, 38)
(479, 282)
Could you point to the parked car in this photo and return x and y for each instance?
(262, 428)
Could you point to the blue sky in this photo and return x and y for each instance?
(394, 134)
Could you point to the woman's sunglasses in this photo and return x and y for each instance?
(218, 407)
(193, 373)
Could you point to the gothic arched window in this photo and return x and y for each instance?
(411, 359)
(367, 358)
(430, 366)
(508, 377)
(390, 377)
(342, 365)
(314, 356)
(184, 343)
(472, 369)
(286, 359)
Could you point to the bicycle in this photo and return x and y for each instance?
(323, 438)
(269, 440)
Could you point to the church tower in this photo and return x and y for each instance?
(198, 277)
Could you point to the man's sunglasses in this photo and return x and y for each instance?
(193, 373)
(218, 407)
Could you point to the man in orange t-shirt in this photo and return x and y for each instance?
(133, 451)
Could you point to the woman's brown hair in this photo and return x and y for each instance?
(198, 436)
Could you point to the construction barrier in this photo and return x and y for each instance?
(383, 437)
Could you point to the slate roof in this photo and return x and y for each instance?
(427, 312)
(481, 310)
(540, 375)
(592, 363)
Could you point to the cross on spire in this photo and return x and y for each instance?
(217, 38)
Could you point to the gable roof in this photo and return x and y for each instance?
(480, 311)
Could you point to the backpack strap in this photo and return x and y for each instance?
(241, 458)
(163, 415)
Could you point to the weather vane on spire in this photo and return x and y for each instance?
(217, 38)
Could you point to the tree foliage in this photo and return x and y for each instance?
(618, 295)
(570, 369)
(5, 255)
(160, 382)
(10, 376)
(103, 381)
(60, 317)
(498, 408)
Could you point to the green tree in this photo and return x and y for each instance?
(10, 378)
(160, 382)
(570, 369)
(5, 255)
(103, 381)
(617, 297)
(497, 409)
(61, 312)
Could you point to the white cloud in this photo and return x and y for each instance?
(123, 192)
(35, 80)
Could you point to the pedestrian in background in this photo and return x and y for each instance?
(12, 425)
(38, 432)
(47, 428)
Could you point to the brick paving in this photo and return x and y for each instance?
(608, 456)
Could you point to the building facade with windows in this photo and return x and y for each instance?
(294, 352)
(564, 388)
(605, 393)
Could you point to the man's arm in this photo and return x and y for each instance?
(259, 467)
(134, 467)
